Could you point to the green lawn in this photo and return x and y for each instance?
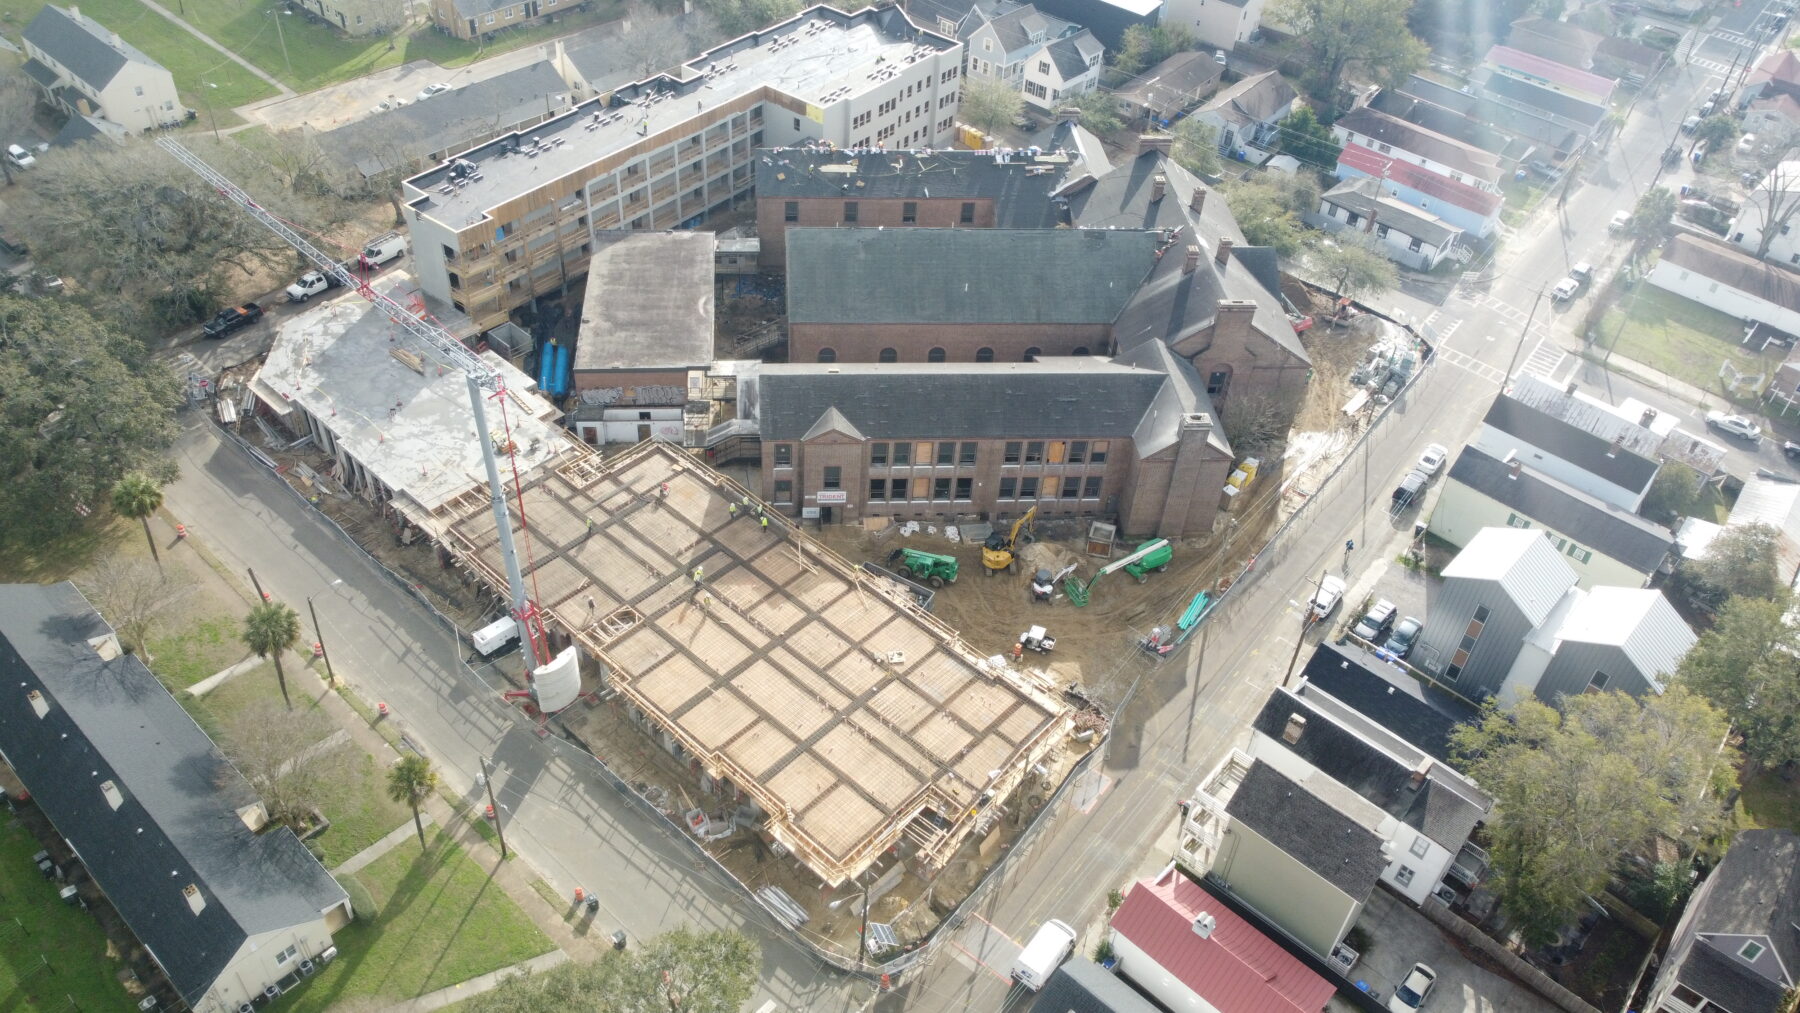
(1769, 802)
(1679, 337)
(184, 656)
(59, 953)
(188, 59)
(441, 921)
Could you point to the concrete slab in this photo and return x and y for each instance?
(1402, 937)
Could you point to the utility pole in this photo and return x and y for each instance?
(276, 13)
(260, 593)
(499, 831)
(1306, 621)
(319, 631)
(1523, 331)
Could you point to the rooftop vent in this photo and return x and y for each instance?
(1204, 924)
(196, 903)
(1296, 727)
(114, 797)
(39, 702)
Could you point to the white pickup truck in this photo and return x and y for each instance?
(310, 284)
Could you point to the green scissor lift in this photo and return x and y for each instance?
(1152, 555)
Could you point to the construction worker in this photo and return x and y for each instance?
(590, 525)
(731, 508)
(1018, 653)
(665, 490)
(699, 573)
(765, 520)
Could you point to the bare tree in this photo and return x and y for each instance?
(1774, 202)
(18, 100)
(1257, 422)
(134, 595)
(289, 757)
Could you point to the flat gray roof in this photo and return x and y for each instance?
(649, 302)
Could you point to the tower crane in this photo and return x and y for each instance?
(484, 383)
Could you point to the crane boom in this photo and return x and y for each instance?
(483, 381)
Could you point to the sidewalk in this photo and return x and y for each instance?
(395, 837)
(480, 983)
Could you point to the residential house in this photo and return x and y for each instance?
(1189, 950)
(1633, 63)
(1772, 116)
(1629, 426)
(1422, 810)
(1550, 75)
(356, 17)
(1574, 442)
(86, 69)
(1432, 151)
(951, 18)
(1736, 946)
(1771, 501)
(1133, 438)
(1080, 984)
(80, 129)
(593, 64)
(1248, 114)
(1603, 543)
(1726, 279)
(1618, 639)
(1406, 235)
(1461, 204)
(1216, 24)
(1291, 856)
(515, 219)
(1159, 94)
(1777, 74)
(1503, 584)
(1774, 206)
(170, 833)
(1370, 682)
(1556, 41)
(424, 132)
(472, 19)
(1513, 133)
(1107, 19)
(1588, 119)
(1044, 58)
(644, 333)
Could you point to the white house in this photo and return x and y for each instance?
(1428, 149)
(1458, 202)
(1407, 235)
(1247, 114)
(1042, 57)
(86, 69)
(1777, 197)
(1730, 281)
(1219, 24)
(1574, 442)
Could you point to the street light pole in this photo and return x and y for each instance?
(319, 631)
(499, 831)
(1306, 621)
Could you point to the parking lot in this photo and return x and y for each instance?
(1402, 937)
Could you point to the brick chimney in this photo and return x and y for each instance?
(1192, 261)
(1197, 203)
(1223, 256)
(1155, 142)
(1233, 321)
(1159, 185)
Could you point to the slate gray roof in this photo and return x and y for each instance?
(179, 824)
(1173, 304)
(43, 75)
(1059, 396)
(1364, 195)
(1444, 121)
(1556, 103)
(85, 47)
(1522, 122)
(649, 302)
(1018, 276)
(1119, 198)
(1733, 268)
(1082, 986)
(1754, 893)
(1435, 809)
(1256, 99)
(1069, 54)
(1174, 83)
(1414, 710)
(1579, 447)
(88, 128)
(1337, 848)
(1183, 395)
(1605, 529)
(1015, 25)
(1372, 123)
(448, 122)
(1019, 184)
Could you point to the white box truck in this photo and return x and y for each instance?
(1041, 957)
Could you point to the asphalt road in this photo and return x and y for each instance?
(561, 816)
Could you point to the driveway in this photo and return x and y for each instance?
(1402, 937)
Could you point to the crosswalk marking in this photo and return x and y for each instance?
(1545, 360)
(1459, 360)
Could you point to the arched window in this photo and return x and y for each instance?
(984, 355)
(1081, 350)
(827, 355)
(888, 355)
(1032, 353)
(935, 355)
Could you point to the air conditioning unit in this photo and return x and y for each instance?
(147, 1003)
(307, 967)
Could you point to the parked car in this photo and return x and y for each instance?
(20, 157)
(1734, 425)
(1404, 638)
(1543, 168)
(1791, 449)
(230, 319)
(1746, 144)
(1378, 620)
(310, 284)
(1219, 57)
(1699, 153)
(1620, 221)
(1691, 124)
(1565, 289)
(1582, 272)
(432, 89)
(1432, 459)
(1413, 990)
(1409, 489)
(383, 249)
(1326, 596)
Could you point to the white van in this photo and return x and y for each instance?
(382, 249)
(1044, 954)
(490, 639)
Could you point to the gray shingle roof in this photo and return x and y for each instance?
(1578, 446)
(1015, 26)
(1731, 267)
(1255, 99)
(1024, 276)
(1364, 195)
(642, 48)
(88, 49)
(1414, 710)
(1557, 104)
(1019, 184)
(1174, 83)
(1067, 54)
(1367, 122)
(1071, 396)
(1082, 986)
(1173, 304)
(88, 128)
(1522, 122)
(112, 720)
(1605, 529)
(1754, 892)
(448, 122)
(1337, 848)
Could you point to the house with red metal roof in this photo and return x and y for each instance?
(1467, 207)
(1557, 77)
(1189, 951)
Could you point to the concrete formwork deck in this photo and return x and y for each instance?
(849, 716)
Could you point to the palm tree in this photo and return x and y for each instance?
(412, 781)
(270, 629)
(137, 496)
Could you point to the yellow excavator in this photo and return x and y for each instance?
(999, 551)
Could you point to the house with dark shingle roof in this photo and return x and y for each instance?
(1171, 86)
(1082, 986)
(1737, 946)
(1133, 437)
(86, 69)
(1409, 236)
(1572, 441)
(1720, 276)
(169, 831)
(1294, 857)
(1046, 59)
(1436, 152)
(1248, 114)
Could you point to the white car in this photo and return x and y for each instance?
(310, 284)
(432, 89)
(1325, 599)
(1411, 993)
(1746, 144)
(1433, 458)
(1565, 289)
(1734, 425)
(20, 157)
